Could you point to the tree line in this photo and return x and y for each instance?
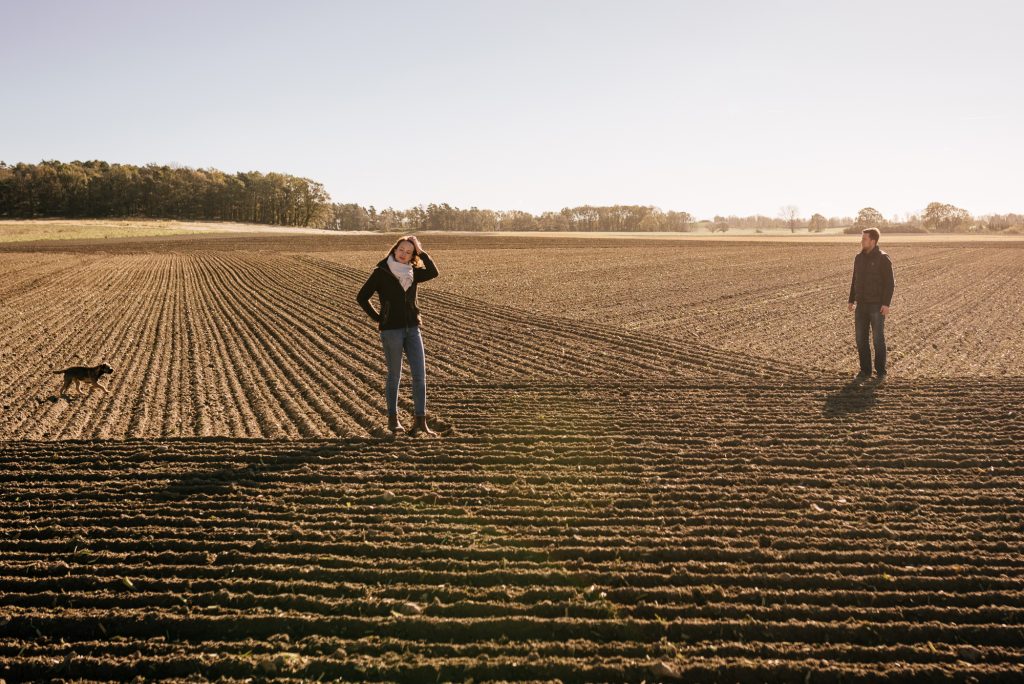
(97, 189)
(628, 218)
(938, 217)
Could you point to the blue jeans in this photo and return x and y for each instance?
(870, 316)
(395, 342)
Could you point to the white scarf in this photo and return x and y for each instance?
(402, 271)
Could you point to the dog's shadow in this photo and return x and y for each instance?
(854, 397)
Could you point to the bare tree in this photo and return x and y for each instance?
(789, 214)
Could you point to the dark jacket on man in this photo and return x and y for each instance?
(397, 306)
(873, 280)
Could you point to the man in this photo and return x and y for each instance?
(871, 293)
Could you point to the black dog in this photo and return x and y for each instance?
(88, 374)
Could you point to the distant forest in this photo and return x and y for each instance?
(98, 189)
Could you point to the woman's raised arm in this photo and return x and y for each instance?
(429, 270)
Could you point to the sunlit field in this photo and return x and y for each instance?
(650, 464)
(84, 229)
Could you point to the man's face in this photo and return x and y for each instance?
(866, 243)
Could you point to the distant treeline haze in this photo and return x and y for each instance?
(446, 217)
(98, 189)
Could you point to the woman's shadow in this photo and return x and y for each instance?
(854, 397)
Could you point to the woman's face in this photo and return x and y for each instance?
(404, 252)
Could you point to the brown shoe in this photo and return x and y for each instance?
(420, 426)
(394, 424)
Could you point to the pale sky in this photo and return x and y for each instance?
(708, 107)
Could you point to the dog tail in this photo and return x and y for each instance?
(57, 372)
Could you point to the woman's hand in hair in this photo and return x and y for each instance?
(416, 243)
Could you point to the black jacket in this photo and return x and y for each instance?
(397, 306)
(873, 280)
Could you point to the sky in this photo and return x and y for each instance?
(717, 107)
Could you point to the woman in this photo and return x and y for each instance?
(394, 280)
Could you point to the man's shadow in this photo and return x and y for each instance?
(854, 397)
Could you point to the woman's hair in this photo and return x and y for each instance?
(415, 261)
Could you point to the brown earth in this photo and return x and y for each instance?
(613, 497)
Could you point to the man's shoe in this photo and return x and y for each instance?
(861, 377)
(419, 426)
(393, 423)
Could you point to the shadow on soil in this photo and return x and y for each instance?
(854, 397)
(255, 474)
(302, 461)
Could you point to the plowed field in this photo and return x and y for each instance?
(650, 466)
